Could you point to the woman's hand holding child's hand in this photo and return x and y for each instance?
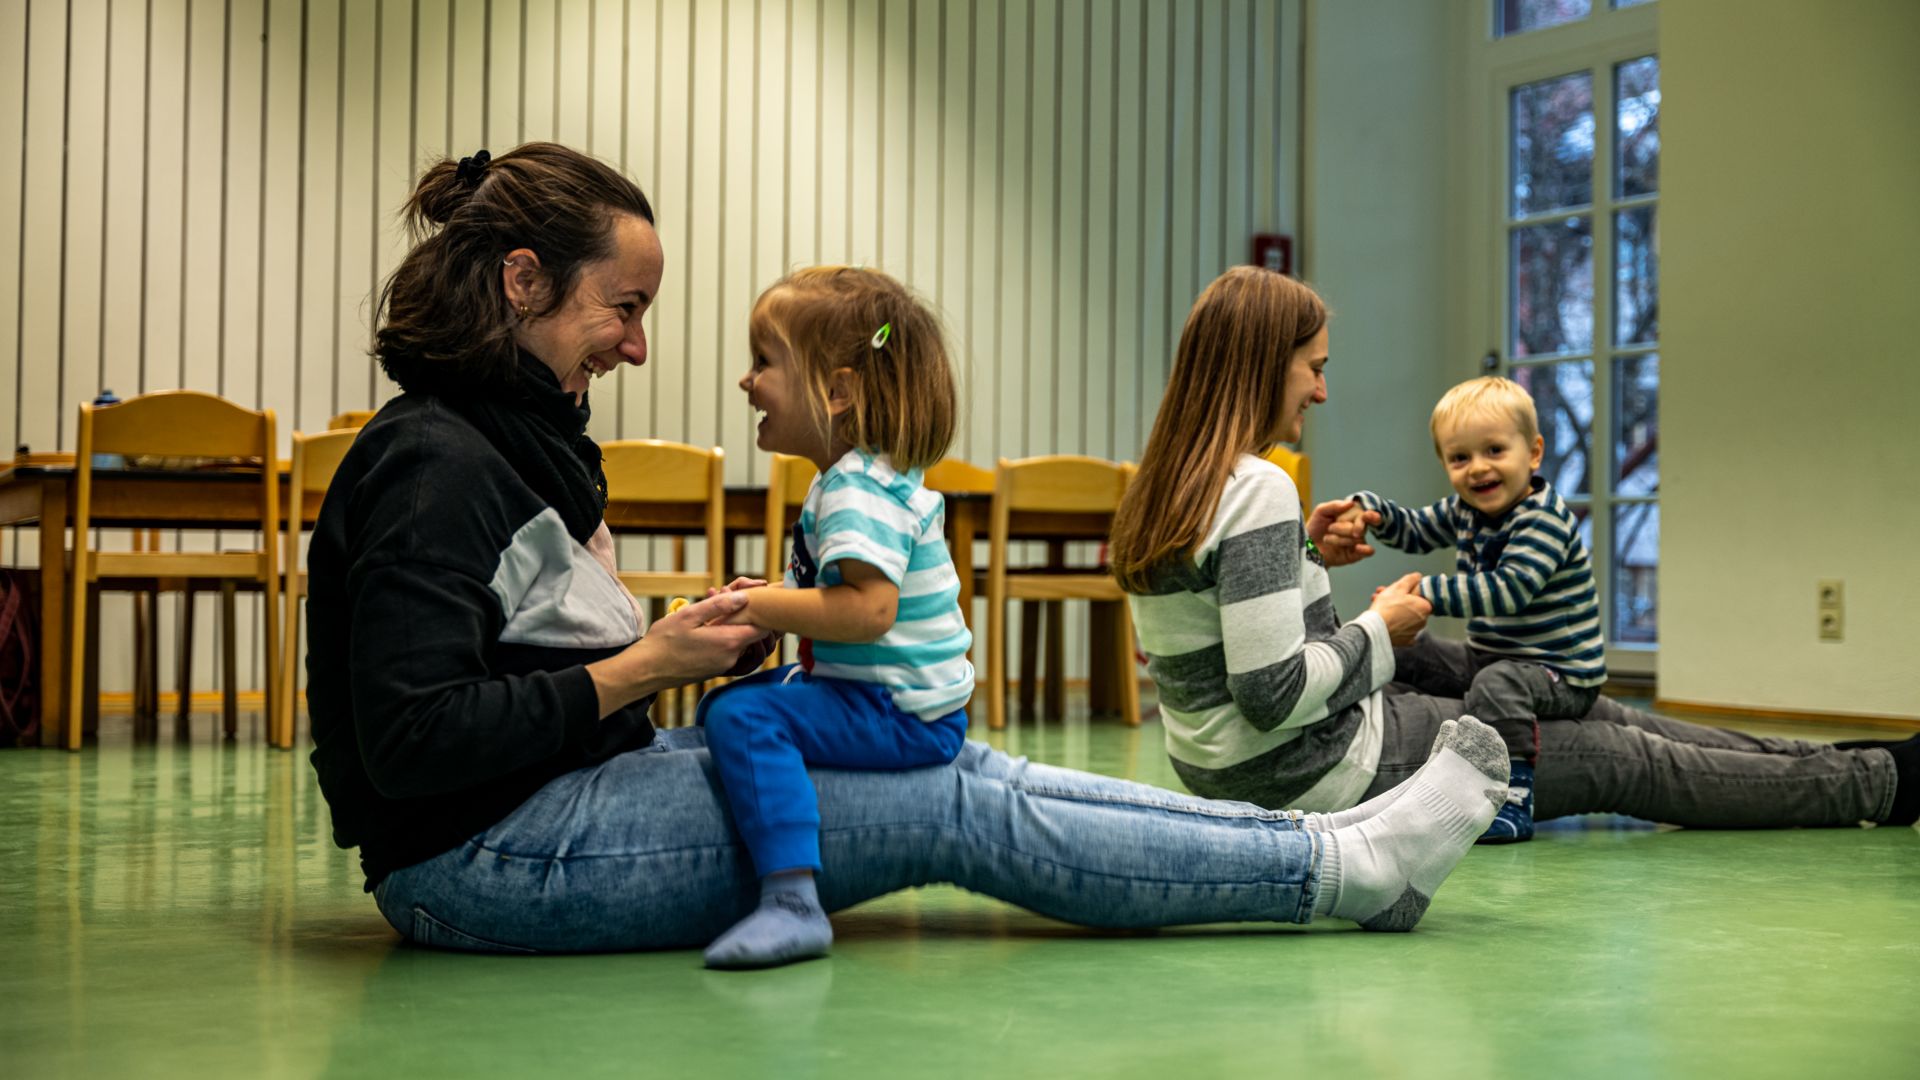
(1339, 530)
(755, 654)
(1403, 608)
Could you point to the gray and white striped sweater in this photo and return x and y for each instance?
(1264, 694)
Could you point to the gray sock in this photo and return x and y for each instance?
(1382, 872)
(788, 925)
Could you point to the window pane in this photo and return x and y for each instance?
(1636, 425)
(1553, 288)
(1519, 16)
(1552, 148)
(1636, 560)
(1563, 398)
(1636, 275)
(1636, 154)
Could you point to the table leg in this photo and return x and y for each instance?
(53, 612)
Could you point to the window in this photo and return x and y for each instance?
(1575, 266)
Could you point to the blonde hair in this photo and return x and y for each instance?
(830, 317)
(1488, 395)
(1223, 400)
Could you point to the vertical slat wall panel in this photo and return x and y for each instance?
(207, 191)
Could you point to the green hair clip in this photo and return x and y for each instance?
(881, 335)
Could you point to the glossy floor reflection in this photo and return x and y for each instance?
(179, 910)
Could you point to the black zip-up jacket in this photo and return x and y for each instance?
(449, 617)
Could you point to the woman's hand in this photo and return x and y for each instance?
(1339, 530)
(691, 644)
(1403, 608)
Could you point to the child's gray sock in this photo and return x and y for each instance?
(788, 925)
(1382, 872)
(1340, 819)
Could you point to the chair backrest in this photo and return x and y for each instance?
(316, 458)
(788, 478)
(1067, 483)
(177, 424)
(652, 470)
(352, 418)
(1298, 466)
(953, 476)
(655, 471)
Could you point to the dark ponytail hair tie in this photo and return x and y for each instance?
(474, 169)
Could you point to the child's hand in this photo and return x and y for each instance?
(1403, 609)
(737, 584)
(1339, 530)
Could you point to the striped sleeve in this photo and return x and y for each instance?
(1536, 548)
(859, 518)
(1276, 676)
(1415, 532)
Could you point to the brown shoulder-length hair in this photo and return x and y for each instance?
(1223, 400)
(443, 317)
(830, 317)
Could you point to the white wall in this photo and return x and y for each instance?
(1375, 245)
(1791, 382)
(1059, 176)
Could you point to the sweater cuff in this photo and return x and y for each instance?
(1381, 643)
(579, 703)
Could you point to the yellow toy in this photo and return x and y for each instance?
(677, 603)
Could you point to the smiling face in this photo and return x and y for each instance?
(1489, 462)
(598, 326)
(792, 419)
(1305, 387)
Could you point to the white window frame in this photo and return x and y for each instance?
(1491, 69)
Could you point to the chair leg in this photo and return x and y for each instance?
(286, 703)
(1100, 674)
(1029, 654)
(1056, 658)
(229, 661)
(183, 663)
(996, 663)
(1124, 665)
(90, 701)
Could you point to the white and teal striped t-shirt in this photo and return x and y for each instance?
(862, 509)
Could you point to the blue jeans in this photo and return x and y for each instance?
(764, 730)
(637, 852)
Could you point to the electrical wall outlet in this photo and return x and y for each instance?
(1831, 597)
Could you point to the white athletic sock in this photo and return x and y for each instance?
(1382, 872)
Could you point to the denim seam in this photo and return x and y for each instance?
(1079, 796)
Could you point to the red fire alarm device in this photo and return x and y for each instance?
(1273, 251)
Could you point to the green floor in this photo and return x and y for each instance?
(178, 910)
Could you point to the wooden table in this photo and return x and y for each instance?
(33, 493)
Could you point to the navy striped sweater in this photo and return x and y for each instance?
(1523, 581)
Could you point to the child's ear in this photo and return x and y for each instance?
(1539, 451)
(842, 385)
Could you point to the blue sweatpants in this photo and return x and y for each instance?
(763, 731)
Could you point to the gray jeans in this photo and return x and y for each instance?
(1508, 695)
(1622, 760)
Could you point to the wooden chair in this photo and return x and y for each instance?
(649, 470)
(954, 477)
(1065, 484)
(1298, 466)
(788, 478)
(352, 418)
(315, 459)
(172, 424)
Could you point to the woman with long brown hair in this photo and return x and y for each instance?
(1267, 696)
